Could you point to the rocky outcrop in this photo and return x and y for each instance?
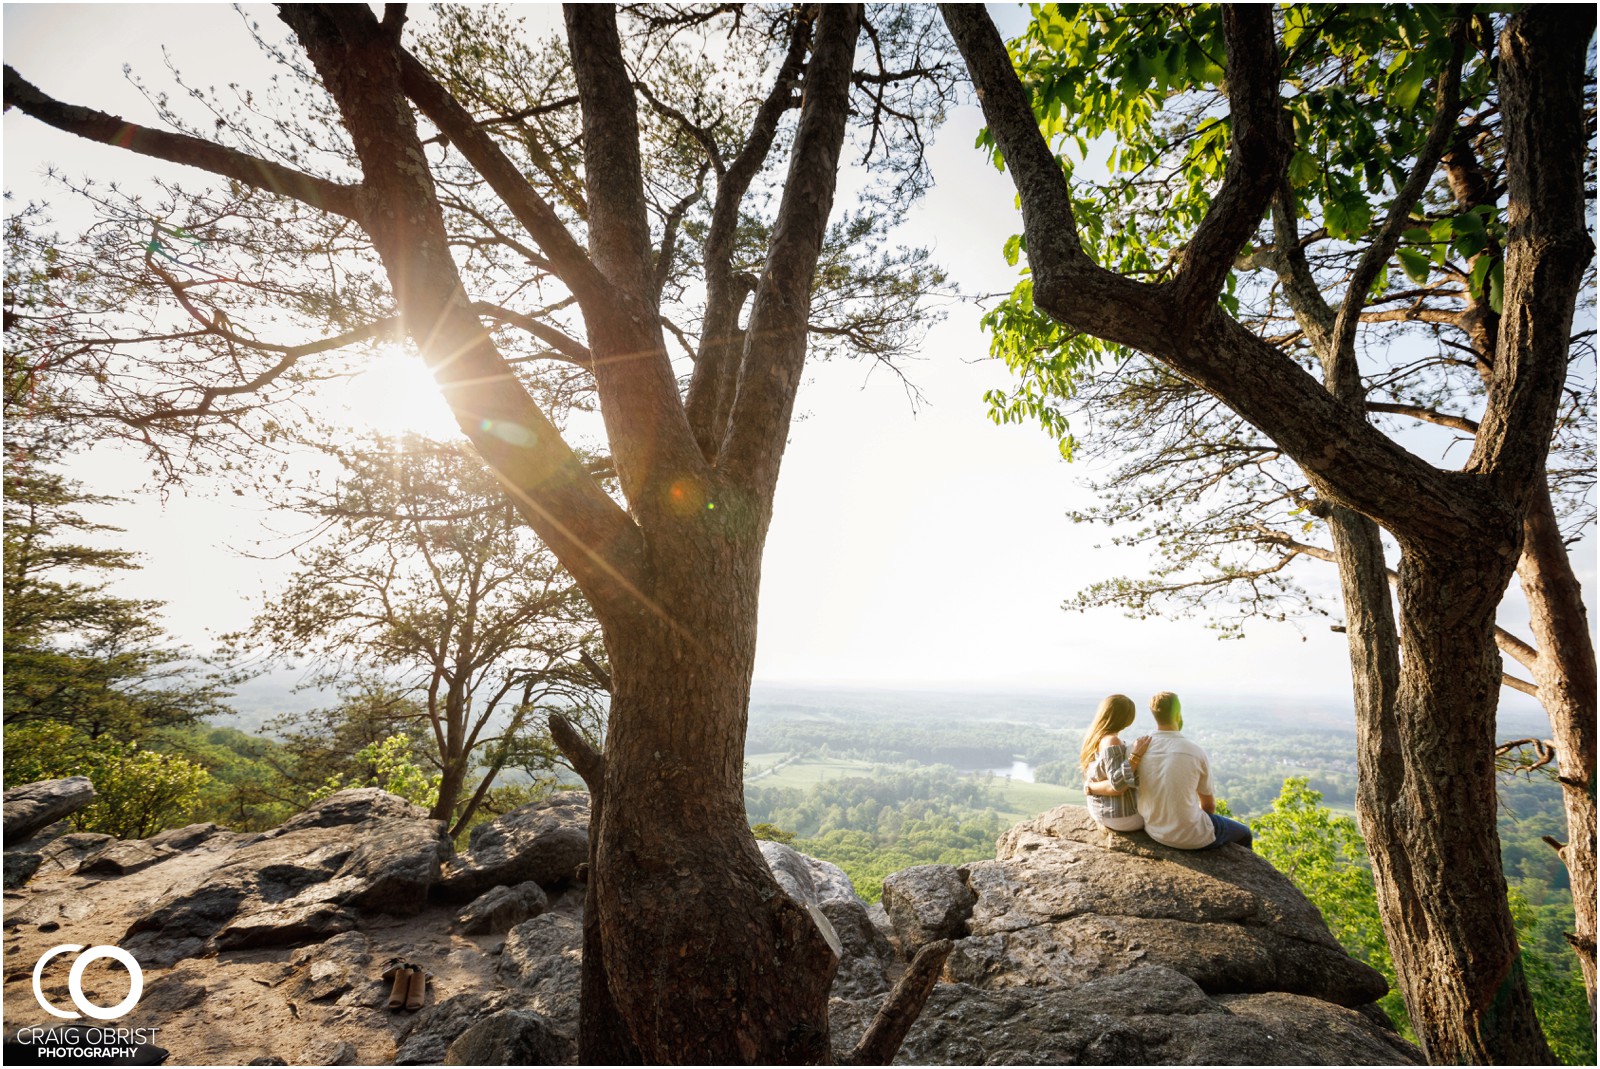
(1066, 901)
(359, 805)
(544, 842)
(428, 1037)
(30, 810)
(48, 854)
(1150, 1015)
(306, 880)
(1079, 945)
(543, 960)
(1073, 945)
(511, 1037)
(121, 858)
(34, 806)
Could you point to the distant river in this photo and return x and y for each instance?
(1019, 770)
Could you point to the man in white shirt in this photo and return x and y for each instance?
(1176, 797)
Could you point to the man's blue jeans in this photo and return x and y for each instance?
(1229, 831)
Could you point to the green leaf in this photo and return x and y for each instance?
(1497, 286)
(1469, 245)
(1409, 87)
(1303, 168)
(1480, 275)
(1348, 215)
(1416, 263)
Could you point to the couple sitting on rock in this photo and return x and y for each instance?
(1161, 784)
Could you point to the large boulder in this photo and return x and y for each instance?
(34, 806)
(428, 1037)
(544, 842)
(543, 959)
(511, 1037)
(1066, 902)
(865, 956)
(926, 903)
(20, 865)
(304, 881)
(498, 909)
(1149, 1015)
(357, 805)
(124, 857)
(185, 838)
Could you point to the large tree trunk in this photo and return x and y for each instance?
(451, 779)
(1430, 822)
(708, 960)
(1565, 673)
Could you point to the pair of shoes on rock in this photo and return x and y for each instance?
(410, 984)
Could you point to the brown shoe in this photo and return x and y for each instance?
(397, 993)
(416, 988)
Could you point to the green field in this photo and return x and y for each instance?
(807, 771)
(1025, 799)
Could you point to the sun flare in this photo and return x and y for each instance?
(396, 393)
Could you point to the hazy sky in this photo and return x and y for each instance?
(927, 549)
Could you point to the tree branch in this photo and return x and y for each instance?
(566, 256)
(1258, 154)
(1543, 63)
(1344, 457)
(619, 232)
(1509, 644)
(670, 225)
(1289, 262)
(563, 344)
(601, 676)
(1427, 415)
(107, 129)
(775, 344)
(710, 395)
(901, 1007)
(590, 534)
(587, 762)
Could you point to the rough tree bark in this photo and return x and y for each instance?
(603, 1037)
(1428, 805)
(704, 958)
(1564, 669)
(1561, 659)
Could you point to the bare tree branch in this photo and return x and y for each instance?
(901, 1007)
(775, 345)
(94, 125)
(1341, 352)
(1427, 415)
(710, 394)
(537, 218)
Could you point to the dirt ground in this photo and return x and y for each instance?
(316, 1005)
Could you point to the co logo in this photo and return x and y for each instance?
(75, 982)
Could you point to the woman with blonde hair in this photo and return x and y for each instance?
(1110, 775)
